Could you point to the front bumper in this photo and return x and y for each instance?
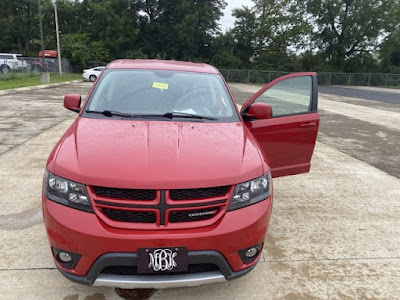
(159, 281)
(100, 245)
(96, 278)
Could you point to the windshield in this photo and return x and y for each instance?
(153, 92)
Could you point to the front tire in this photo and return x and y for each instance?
(5, 69)
(92, 78)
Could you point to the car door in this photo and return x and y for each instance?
(288, 134)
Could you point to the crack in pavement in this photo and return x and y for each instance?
(329, 259)
(28, 269)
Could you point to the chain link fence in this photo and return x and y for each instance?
(89, 65)
(30, 66)
(11, 67)
(324, 78)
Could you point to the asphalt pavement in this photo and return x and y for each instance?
(334, 232)
(386, 95)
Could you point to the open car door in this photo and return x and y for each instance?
(283, 117)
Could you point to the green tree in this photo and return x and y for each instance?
(76, 47)
(206, 26)
(179, 29)
(19, 26)
(281, 24)
(390, 53)
(99, 52)
(113, 22)
(244, 33)
(265, 32)
(347, 28)
(175, 38)
(224, 48)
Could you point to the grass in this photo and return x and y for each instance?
(30, 79)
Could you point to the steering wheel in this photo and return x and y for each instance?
(191, 100)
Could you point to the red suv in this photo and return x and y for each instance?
(161, 182)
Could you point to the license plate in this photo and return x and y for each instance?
(162, 260)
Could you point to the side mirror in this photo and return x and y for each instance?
(73, 102)
(259, 111)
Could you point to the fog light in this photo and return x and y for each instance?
(248, 255)
(251, 252)
(64, 257)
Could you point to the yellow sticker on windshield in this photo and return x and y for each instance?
(159, 85)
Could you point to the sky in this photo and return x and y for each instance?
(227, 20)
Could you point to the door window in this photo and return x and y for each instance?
(6, 57)
(290, 96)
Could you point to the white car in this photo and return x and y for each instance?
(92, 74)
(11, 61)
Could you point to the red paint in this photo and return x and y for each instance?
(260, 111)
(49, 53)
(169, 155)
(72, 102)
(287, 143)
(164, 155)
(169, 65)
(85, 233)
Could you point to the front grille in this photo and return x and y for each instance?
(164, 209)
(187, 194)
(120, 270)
(192, 215)
(127, 194)
(130, 216)
(132, 270)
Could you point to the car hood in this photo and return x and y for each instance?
(157, 154)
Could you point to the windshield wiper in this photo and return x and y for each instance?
(110, 113)
(169, 115)
(177, 114)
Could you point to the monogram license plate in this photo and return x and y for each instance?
(162, 260)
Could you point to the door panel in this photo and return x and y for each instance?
(288, 142)
(288, 138)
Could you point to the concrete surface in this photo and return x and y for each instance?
(334, 233)
(25, 114)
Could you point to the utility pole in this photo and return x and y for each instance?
(41, 34)
(58, 37)
(44, 76)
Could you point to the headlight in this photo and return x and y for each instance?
(66, 192)
(251, 192)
